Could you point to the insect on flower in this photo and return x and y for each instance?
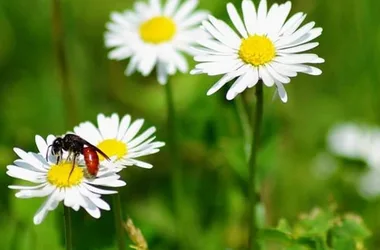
(76, 145)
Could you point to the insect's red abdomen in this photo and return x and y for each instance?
(92, 160)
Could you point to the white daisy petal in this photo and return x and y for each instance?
(124, 125)
(133, 130)
(41, 145)
(107, 182)
(293, 37)
(146, 66)
(276, 75)
(147, 145)
(292, 24)
(226, 78)
(141, 164)
(161, 73)
(270, 21)
(215, 58)
(299, 58)
(88, 132)
(100, 203)
(132, 65)
(300, 48)
(142, 137)
(279, 20)
(239, 85)
(120, 53)
(255, 77)
(156, 6)
(195, 19)
(216, 46)
(180, 61)
(170, 7)
(45, 191)
(264, 75)
(249, 15)
(98, 190)
(221, 38)
(28, 157)
(218, 68)
(312, 70)
(23, 174)
(37, 168)
(223, 28)
(186, 8)
(142, 8)
(284, 69)
(236, 20)
(44, 209)
(108, 126)
(27, 187)
(261, 16)
(304, 39)
(282, 92)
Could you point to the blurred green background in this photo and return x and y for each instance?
(211, 140)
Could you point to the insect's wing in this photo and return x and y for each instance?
(90, 145)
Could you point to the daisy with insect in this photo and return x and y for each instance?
(155, 35)
(60, 181)
(119, 140)
(266, 47)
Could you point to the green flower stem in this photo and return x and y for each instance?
(245, 124)
(176, 168)
(68, 231)
(118, 221)
(252, 165)
(68, 99)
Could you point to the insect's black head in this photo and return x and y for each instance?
(56, 146)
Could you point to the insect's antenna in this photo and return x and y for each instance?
(47, 152)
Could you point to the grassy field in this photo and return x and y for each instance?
(210, 138)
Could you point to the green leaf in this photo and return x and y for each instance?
(284, 226)
(275, 235)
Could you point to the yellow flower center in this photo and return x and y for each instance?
(257, 50)
(157, 30)
(112, 147)
(59, 175)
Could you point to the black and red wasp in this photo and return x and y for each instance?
(76, 146)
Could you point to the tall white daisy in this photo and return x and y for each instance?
(118, 139)
(266, 47)
(55, 182)
(155, 35)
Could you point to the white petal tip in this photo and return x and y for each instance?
(210, 92)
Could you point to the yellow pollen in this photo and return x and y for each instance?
(58, 175)
(257, 50)
(157, 30)
(112, 147)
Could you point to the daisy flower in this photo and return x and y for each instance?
(265, 47)
(351, 140)
(155, 35)
(54, 181)
(118, 140)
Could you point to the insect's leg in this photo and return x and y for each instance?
(68, 156)
(72, 168)
(59, 157)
